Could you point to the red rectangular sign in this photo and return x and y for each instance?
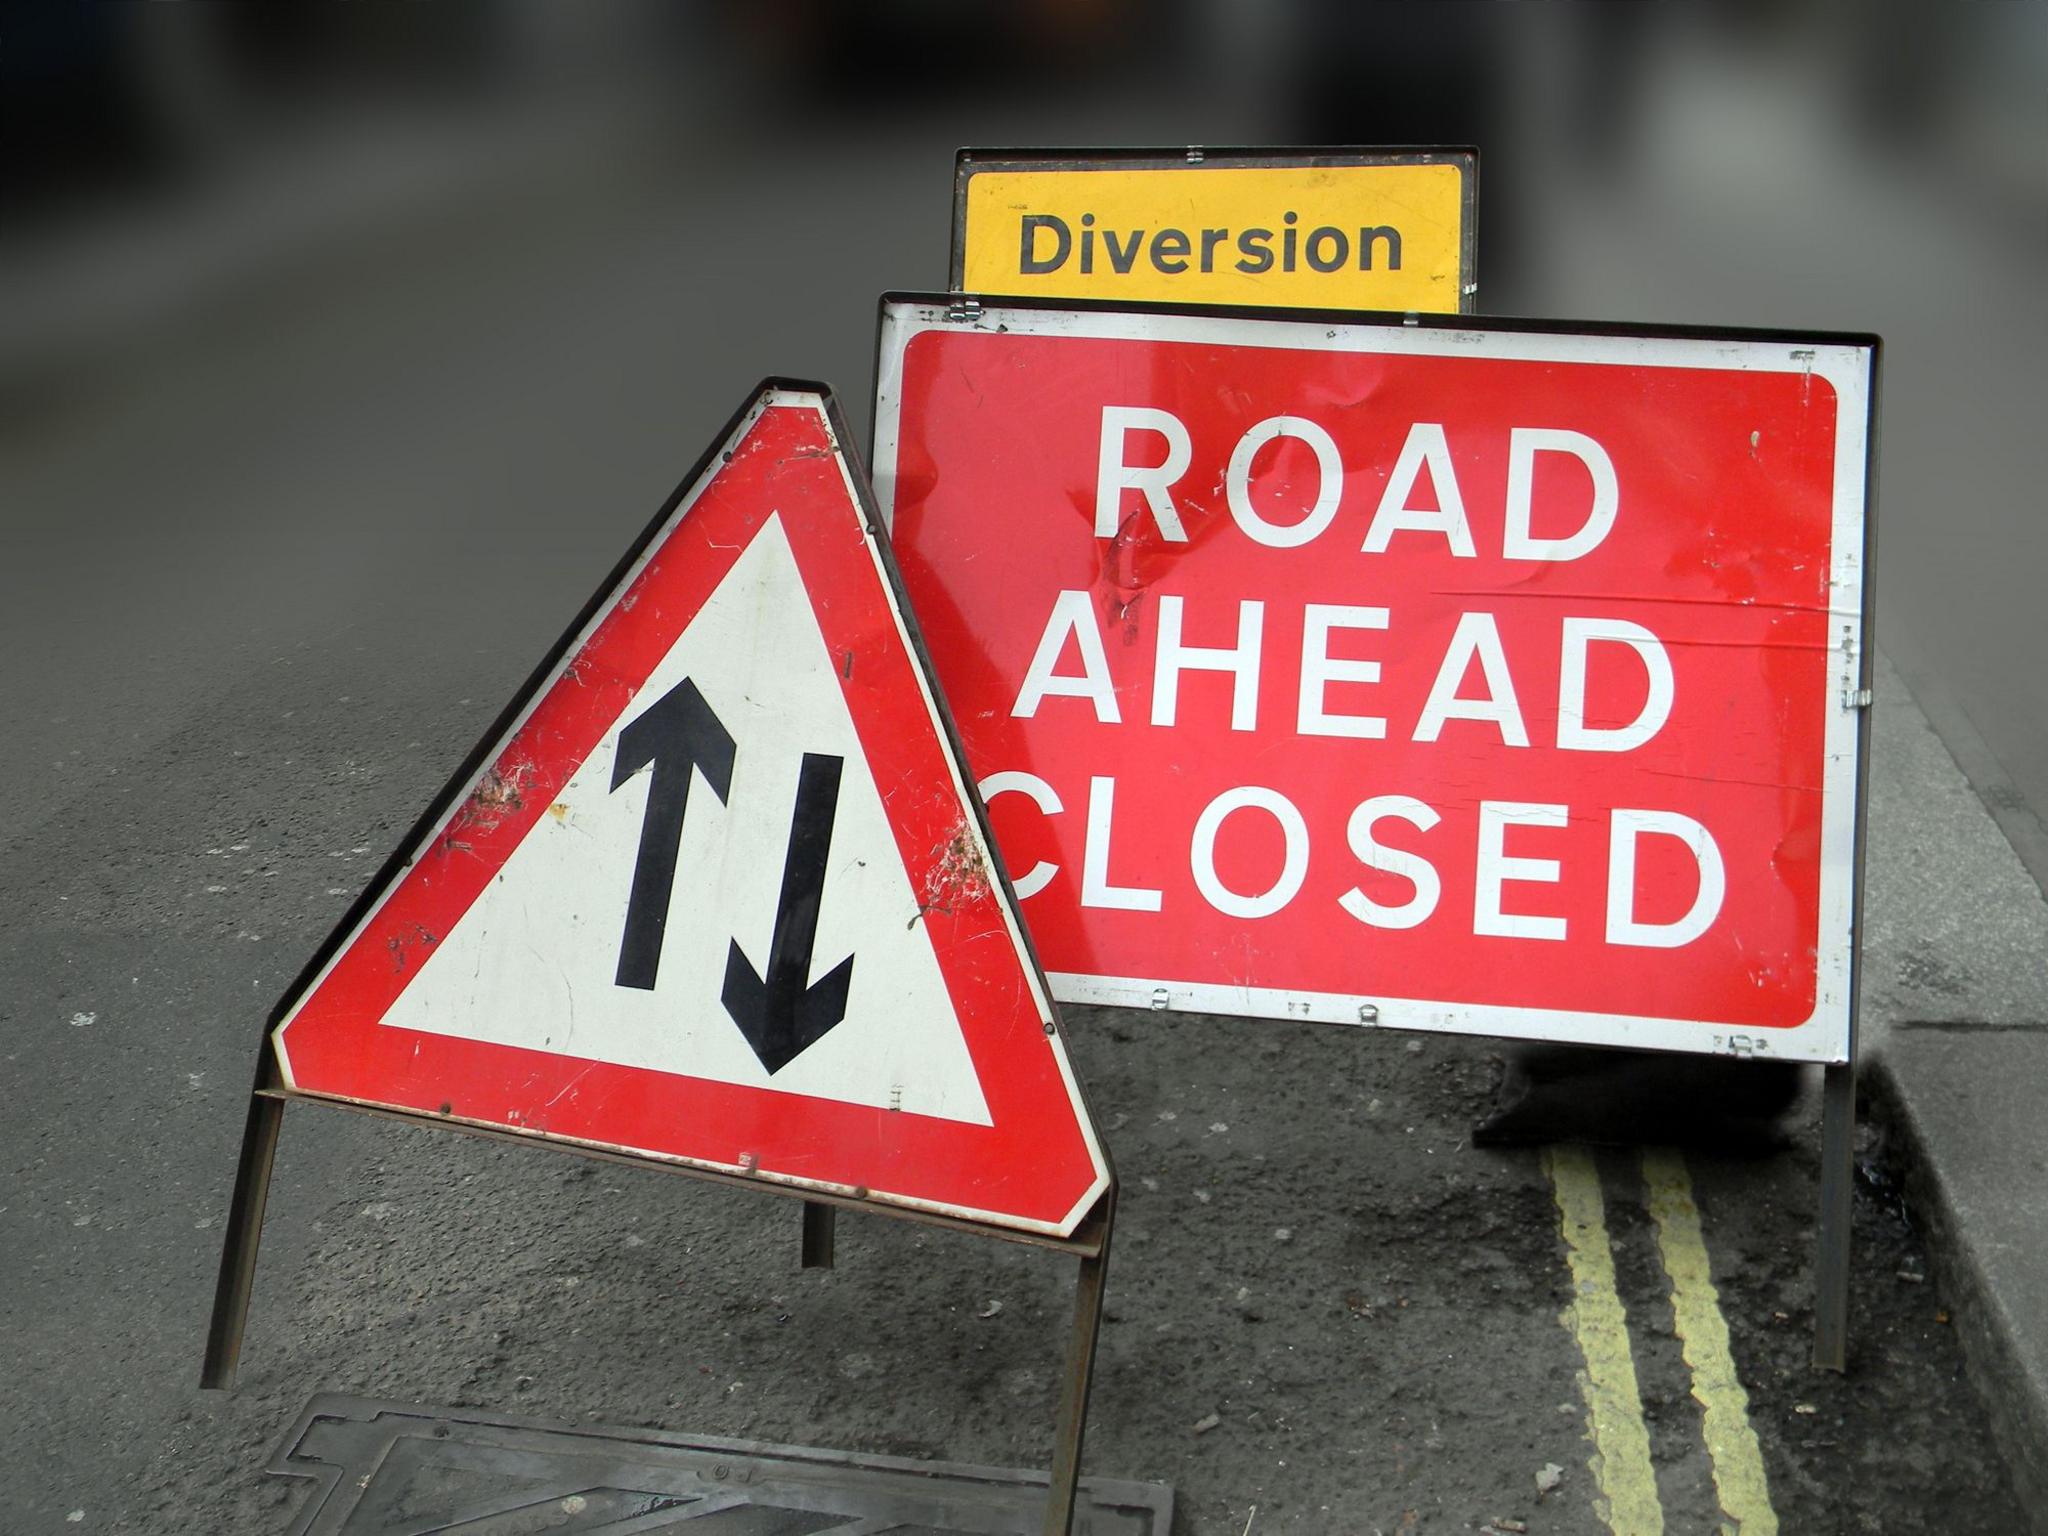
(1463, 676)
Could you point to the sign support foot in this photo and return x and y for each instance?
(821, 1223)
(238, 1251)
(1080, 1372)
(1837, 1187)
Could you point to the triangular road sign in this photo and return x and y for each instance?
(715, 890)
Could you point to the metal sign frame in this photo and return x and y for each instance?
(1089, 1239)
(971, 162)
(1847, 729)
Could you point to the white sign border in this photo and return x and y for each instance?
(1849, 366)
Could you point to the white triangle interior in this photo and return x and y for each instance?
(533, 962)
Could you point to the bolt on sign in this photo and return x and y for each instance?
(1321, 229)
(1471, 675)
(715, 891)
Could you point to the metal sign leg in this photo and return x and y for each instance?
(1080, 1373)
(1837, 1186)
(821, 1224)
(238, 1248)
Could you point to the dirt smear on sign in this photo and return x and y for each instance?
(957, 876)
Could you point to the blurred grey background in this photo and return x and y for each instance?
(343, 349)
(312, 315)
(305, 309)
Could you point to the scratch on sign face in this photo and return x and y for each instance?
(957, 875)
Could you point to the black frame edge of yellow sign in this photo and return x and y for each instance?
(972, 161)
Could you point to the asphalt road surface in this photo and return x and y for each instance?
(271, 568)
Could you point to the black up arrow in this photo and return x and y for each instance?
(782, 1017)
(676, 734)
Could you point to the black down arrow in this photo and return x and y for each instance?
(676, 734)
(782, 1017)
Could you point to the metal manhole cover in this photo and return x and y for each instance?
(386, 1469)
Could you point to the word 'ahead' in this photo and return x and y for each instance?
(1475, 679)
(719, 894)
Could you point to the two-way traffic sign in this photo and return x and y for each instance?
(716, 890)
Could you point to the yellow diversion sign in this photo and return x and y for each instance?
(1318, 229)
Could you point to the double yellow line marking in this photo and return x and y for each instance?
(1620, 1463)
(1621, 1441)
